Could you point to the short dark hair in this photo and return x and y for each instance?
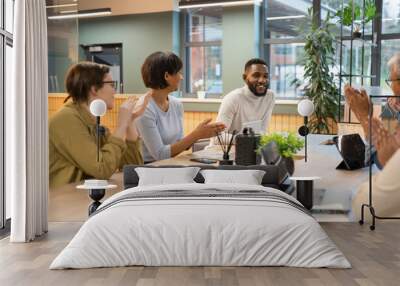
(156, 65)
(254, 61)
(80, 79)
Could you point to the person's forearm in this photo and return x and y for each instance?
(365, 127)
(120, 131)
(132, 133)
(183, 144)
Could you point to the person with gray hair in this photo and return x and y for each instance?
(394, 83)
(393, 104)
(359, 103)
(385, 184)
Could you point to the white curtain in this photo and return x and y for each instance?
(26, 123)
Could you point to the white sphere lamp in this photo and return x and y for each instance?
(305, 108)
(98, 107)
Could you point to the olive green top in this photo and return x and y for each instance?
(73, 151)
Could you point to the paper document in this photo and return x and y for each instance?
(255, 125)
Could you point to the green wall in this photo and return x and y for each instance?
(237, 45)
(140, 35)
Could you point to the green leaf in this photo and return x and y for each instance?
(370, 11)
(287, 144)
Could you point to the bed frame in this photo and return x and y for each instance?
(275, 176)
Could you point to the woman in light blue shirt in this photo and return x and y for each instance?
(161, 125)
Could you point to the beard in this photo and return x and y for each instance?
(253, 88)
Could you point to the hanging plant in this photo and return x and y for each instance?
(352, 13)
(319, 84)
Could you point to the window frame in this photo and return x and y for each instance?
(6, 39)
(376, 51)
(186, 48)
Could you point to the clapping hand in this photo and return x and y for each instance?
(394, 103)
(358, 101)
(125, 111)
(128, 112)
(206, 129)
(140, 107)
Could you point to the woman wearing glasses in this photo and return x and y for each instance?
(72, 130)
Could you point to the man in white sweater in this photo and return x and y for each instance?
(252, 102)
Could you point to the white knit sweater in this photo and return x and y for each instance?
(242, 106)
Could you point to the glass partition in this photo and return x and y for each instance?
(286, 18)
(63, 43)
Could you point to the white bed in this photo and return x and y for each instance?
(249, 226)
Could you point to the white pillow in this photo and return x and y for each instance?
(166, 176)
(248, 177)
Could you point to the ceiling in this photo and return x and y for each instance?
(118, 7)
(123, 7)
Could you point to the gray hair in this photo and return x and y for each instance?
(394, 63)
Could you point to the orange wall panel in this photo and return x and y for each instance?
(279, 122)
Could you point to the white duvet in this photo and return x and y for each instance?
(202, 231)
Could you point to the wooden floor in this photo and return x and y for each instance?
(375, 257)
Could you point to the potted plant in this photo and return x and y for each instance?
(318, 81)
(351, 14)
(288, 144)
(357, 31)
(200, 89)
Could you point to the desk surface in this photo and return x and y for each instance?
(213, 152)
(335, 189)
(184, 159)
(332, 193)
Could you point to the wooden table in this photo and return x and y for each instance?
(332, 192)
(213, 152)
(184, 159)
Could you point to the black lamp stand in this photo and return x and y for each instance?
(97, 194)
(303, 131)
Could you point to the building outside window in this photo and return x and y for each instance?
(285, 24)
(203, 38)
(285, 28)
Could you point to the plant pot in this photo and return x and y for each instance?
(201, 94)
(289, 163)
(357, 35)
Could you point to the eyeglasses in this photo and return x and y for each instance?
(390, 81)
(113, 83)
